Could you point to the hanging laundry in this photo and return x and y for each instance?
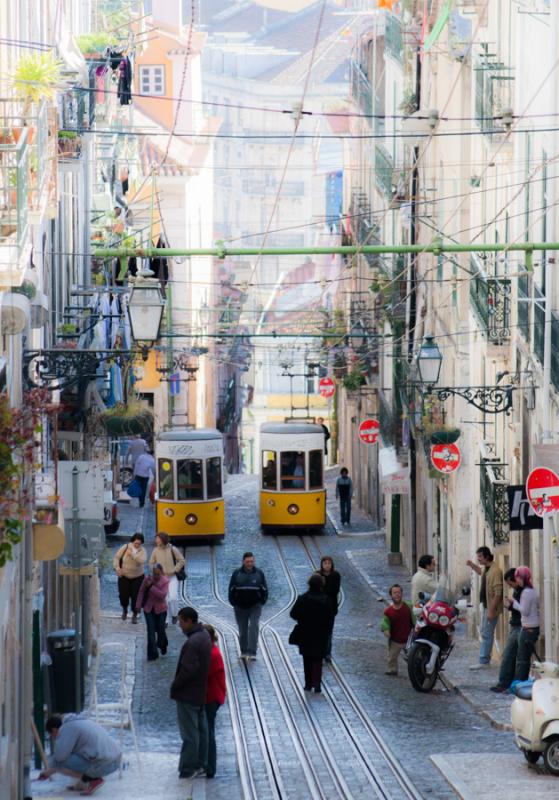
(105, 308)
(100, 74)
(114, 59)
(123, 178)
(159, 266)
(124, 89)
(115, 319)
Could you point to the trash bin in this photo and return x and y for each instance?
(61, 648)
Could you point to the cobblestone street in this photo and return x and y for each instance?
(272, 737)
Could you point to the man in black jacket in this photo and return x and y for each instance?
(247, 594)
(189, 691)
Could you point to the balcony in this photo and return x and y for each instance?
(361, 89)
(384, 171)
(523, 306)
(493, 91)
(493, 494)
(490, 298)
(393, 40)
(14, 166)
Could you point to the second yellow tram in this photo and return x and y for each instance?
(190, 502)
(292, 493)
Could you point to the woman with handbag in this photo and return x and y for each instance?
(129, 563)
(173, 564)
(315, 618)
(152, 597)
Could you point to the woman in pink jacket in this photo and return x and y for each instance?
(152, 597)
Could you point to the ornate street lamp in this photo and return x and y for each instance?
(359, 336)
(145, 310)
(429, 361)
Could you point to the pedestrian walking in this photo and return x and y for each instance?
(529, 607)
(172, 561)
(344, 493)
(152, 597)
(82, 749)
(188, 690)
(396, 625)
(215, 697)
(508, 659)
(491, 599)
(314, 616)
(248, 592)
(424, 581)
(144, 466)
(320, 421)
(332, 583)
(129, 564)
(136, 448)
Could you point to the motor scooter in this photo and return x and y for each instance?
(535, 716)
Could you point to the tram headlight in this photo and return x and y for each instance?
(271, 503)
(191, 519)
(169, 512)
(293, 508)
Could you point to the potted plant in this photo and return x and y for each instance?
(93, 45)
(126, 419)
(67, 330)
(353, 380)
(444, 435)
(36, 78)
(69, 144)
(26, 288)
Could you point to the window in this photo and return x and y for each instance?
(213, 477)
(269, 470)
(189, 480)
(292, 470)
(315, 469)
(165, 479)
(152, 80)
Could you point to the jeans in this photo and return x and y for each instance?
(487, 634)
(155, 624)
(508, 660)
(313, 672)
(247, 620)
(96, 768)
(193, 729)
(345, 509)
(128, 589)
(526, 646)
(144, 487)
(211, 711)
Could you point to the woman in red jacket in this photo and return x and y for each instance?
(215, 697)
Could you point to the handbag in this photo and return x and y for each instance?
(134, 489)
(181, 574)
(295, 635)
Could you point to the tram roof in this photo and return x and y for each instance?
(291, 427)
(189, 435)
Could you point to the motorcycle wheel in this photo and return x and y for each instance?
(531, 756)
(418, 658)
(551, 756)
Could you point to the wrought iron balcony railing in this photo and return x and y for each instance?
(13, 204)
(493, 493)
(393, 40)
(490, 298)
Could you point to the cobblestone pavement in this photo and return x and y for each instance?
(330, 730)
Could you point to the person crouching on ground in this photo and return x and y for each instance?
(152, 597)
(129, 563)
(215, 697)
(314, 616)
(82, 749)
(396, 625)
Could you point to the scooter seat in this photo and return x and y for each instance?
(523, 692)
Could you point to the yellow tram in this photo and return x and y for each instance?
(189, 502)
(292, 493)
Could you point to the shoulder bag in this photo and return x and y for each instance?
(181, 574)
(295, 635)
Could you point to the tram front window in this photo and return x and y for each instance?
(213, 477)
(165, 478)
(269, 474)
(292, 470)
(315, 469)
(189, 480)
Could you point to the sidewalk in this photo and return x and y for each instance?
(372, 564)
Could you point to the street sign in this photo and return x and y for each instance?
(522, 516)
(446, 457)
(369, 431)
(326, 387)
(542, 488)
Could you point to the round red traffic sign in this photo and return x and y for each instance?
(542, 489)
(369, 430)
(326, 387)
(446, 457)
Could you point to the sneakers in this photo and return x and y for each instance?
(134, 618)
(124, 614)
(92, 787)
(498, 689)
(78, 786)
(481, 665)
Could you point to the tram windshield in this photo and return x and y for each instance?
(315, 469)
(165, 469)
(189, 479)
(213, 477)
(269, 472)
(293, 470)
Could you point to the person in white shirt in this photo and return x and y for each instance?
(529, 607)
(136, 448)
(424, 581)
(143, 468)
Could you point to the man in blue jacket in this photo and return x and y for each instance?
(247, 594)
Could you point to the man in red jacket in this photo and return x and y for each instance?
(215, 697)
(189, 691)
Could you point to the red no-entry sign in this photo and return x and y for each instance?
(446, 457)
(326, 387)
(542, 488)
(369, 430)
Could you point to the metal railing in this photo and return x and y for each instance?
(523, 306)
(393, 40)
(490, 298)
(493, 91)
(384, 171)
(493, 493)
(361, 89)
(13, 203)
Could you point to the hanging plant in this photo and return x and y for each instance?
(126, 419)
(353, 380)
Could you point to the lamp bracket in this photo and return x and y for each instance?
(489, 399)
(66, 367)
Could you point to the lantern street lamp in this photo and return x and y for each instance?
(359, 336)
(429, 361)
(145, 310)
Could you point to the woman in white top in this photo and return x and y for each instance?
(529, 607)
(172, 561)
